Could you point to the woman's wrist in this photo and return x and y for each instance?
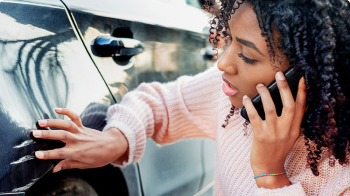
(272, 182)
(271, 178)
(122, 143)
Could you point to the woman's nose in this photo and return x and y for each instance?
(228, 63)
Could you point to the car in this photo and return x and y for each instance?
(86, 55)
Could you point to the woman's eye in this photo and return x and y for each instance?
(245, 59)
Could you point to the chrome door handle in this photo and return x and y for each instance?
(105, 46)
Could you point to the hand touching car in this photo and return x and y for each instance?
(85, 147)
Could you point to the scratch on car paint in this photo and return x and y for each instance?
(23, 159)
(24, 188)
(23, 144)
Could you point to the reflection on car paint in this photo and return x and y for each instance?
(25, 143)
(24, 188)
(23, 159)
(21, 73)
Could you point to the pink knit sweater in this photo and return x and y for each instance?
(197, 107)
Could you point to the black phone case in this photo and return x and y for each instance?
(293, 82)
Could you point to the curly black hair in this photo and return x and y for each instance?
(315, 37)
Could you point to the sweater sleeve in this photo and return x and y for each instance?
(167, 112)
(292, 190)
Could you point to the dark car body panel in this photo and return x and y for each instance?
(41, 65)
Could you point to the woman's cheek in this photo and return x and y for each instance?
(253, 92)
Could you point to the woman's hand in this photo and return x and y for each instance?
(274, 137)
(85, 148)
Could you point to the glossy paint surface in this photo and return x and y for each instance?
(43, 65)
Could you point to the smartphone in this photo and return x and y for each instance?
(293, 82)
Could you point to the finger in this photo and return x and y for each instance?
(300, 105)
(269, 106)
(288, 102)
(53, 135)
(253, 115)
(59, 123)
(73, 116)
(69, 164)
(60, 153)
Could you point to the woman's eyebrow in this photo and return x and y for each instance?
(248, 44)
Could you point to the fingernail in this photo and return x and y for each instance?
(39, 154)
(259, 85)
(245, 97)
(280, 76)
(42, 122)
(57, 169)
(58, 109)
(37, 133)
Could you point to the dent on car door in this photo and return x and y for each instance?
(174, 42)
(43, 65)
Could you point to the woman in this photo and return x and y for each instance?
(305, 148)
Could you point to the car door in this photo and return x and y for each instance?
(174, 37)
(43, 65)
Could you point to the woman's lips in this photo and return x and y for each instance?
(228, 89)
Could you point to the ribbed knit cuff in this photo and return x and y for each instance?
(123, 119)
(292, 190)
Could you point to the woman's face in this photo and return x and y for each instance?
(246, 61)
